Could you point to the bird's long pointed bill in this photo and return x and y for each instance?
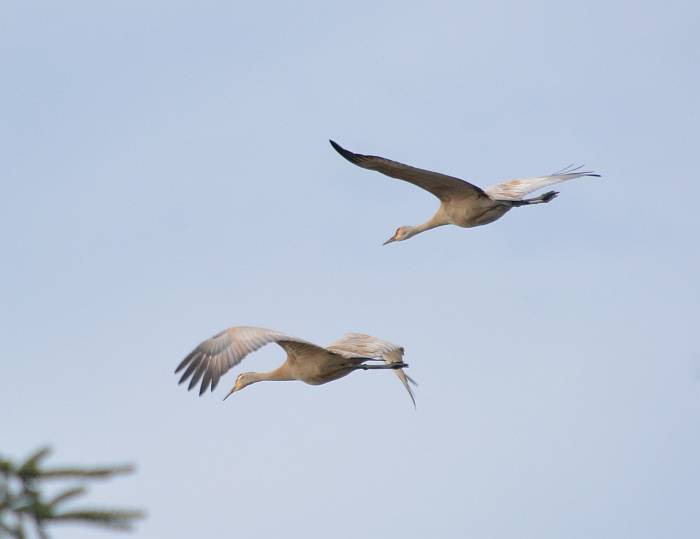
(230, 393)
(390, 240)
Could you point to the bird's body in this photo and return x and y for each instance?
(461, 203)
(315, 365)
(306, 362)
(468, 213)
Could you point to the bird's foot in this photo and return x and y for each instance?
(401, 365)
(548, 197)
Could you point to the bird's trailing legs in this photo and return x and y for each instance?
(385, 366)
(542, 199)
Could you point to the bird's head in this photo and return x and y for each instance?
(244, 379)
(402, 233)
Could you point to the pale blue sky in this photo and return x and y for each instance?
(166, 173)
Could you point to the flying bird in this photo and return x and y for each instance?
(306, 361)
(462, 203)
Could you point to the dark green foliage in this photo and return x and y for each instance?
(23, 504)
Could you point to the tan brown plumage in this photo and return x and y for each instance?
(462, 203)
(306, 361)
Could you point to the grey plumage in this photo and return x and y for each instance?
(462, 203)
(306, 361)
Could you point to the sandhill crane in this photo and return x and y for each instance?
(306, 361)
(462, 203)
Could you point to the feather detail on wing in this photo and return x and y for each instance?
(441, 185)
(517, 188)
(214, 357)
(368, 346)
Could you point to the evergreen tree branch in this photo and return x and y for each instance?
(66, 495)
(92, 473)
(113, 519)
(22, 501)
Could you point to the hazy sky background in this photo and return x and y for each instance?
(166, 173)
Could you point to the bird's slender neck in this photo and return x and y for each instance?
(280, 374)
(439, 219)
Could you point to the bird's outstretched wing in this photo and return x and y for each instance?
(215, 356)
(519, 187)
(368, 346)
(441, 185)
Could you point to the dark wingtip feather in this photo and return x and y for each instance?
(195, 358)
(187, 373)
(353, 158)
(197, 375)
(205, 382)
(186, 360)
